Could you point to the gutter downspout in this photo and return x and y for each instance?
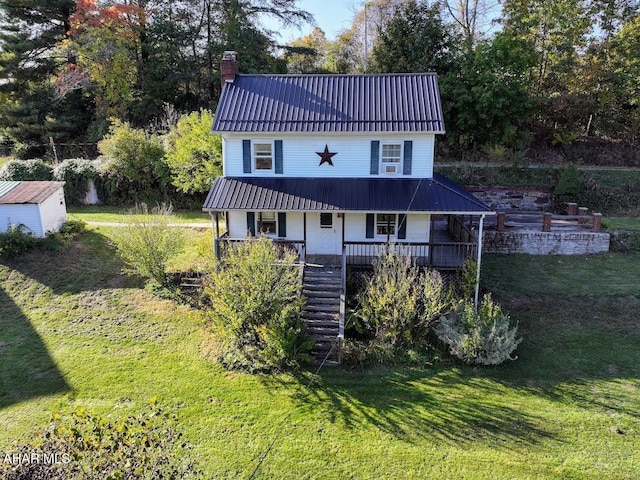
(480, 232)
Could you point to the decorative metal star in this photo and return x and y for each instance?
(326, 156)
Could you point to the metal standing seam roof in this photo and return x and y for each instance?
(437, 194)
(331, 103)
(27, 192)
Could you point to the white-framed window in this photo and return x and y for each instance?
(326, 220)
(386, 224)
(263, 155)
(391, 158)
(267, 223)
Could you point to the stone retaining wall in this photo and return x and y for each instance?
(514, 198)
(545, 243)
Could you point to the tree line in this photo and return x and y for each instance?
(511, 73)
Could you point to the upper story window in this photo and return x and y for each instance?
(263, 156)
(391, 158)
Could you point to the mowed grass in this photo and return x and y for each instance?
(78, 333)
(99, 213)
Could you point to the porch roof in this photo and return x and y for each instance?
(436, 195)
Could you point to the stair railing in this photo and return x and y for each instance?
(343, 300)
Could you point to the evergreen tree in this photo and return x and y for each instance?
(414, 40)
(31, 111)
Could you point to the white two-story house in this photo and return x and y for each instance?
(338, 165)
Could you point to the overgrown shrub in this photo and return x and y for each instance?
(26, 170)
(483, 337)
(389, 305)
(194, 155)
(16, 241)
(567, 189)
(133, 167)
(256, 304)
(398, 305)
(146, 242)
(76, 172)
(84, 446)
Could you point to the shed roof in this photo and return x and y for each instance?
(407, 102)
(27, 192)
(436, 194)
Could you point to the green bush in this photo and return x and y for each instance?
(567, 189)
(256, 302)
(389, 305)
(483, 337)
(399, 304)
(16, 241)
(76, 172)
(133, 168)
(194, 155)
(26, 170)
(146, 242)
(84, 446)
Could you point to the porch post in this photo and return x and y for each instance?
(343, 220)
(480, 229)
(304, 230)
(215, 234)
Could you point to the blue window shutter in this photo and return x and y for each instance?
(282, 224)
(402, 227)
(251, 223)
(246, 156)
(370, 224)
(375, 156)
(278, 155)
(408, 151)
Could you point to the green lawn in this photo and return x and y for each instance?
(80, 333)
(98, 213)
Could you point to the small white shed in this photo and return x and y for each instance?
(39, 206)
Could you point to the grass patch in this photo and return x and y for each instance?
(622, 223)
(593, 276)
(80, 333)
(98, 213)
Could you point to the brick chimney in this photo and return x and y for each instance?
(228, 67)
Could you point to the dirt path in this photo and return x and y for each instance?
(120, 224)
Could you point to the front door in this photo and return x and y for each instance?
(324, 234)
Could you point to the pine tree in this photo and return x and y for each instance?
(30, 36)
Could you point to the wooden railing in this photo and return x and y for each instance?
(343, 302)
(441, 255)
(222, 244)
(459, 231)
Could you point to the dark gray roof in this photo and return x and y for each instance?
(436, 194)
(408, 102)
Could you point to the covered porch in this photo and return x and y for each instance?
(451, 243)
(351, 220)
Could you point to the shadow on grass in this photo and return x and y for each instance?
(26, 368)
(87, 263)
(412, 404)
(577, 350)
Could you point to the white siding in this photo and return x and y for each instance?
(418, 228)
(53, 212)
(237, 225)
(28, 215)
(353, 158)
